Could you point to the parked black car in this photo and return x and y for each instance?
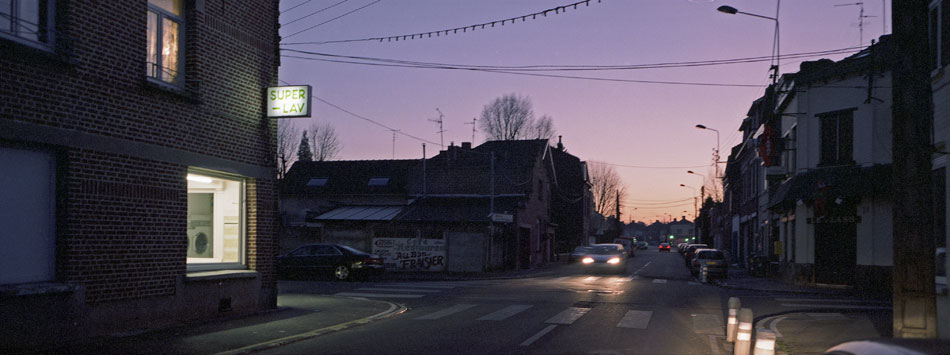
(341, 261)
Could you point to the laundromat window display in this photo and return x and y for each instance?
(215, 222)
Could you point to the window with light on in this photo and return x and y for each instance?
(165, 41)
(215, 221)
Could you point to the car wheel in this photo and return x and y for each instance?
(341, 272)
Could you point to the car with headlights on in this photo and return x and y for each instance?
(577, 254)
(606, 257)
(342, 262)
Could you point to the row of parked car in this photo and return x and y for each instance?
(696, 256)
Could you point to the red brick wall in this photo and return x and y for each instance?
(125, 215)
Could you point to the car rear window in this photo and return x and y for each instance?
(710, 254)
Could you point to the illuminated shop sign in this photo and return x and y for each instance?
(288, 101)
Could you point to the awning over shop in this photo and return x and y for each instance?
(832, 183)
(359, 213)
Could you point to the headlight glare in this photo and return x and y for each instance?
(588, 260)
(613, 261)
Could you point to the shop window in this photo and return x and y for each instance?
(216, 209)
(28, 21)
(28, 202)
(165, 54)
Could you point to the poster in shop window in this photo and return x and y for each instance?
(411, 254)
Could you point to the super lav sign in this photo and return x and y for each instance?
(288, 101)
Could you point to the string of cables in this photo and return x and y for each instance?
(486, 25)
(532, 70)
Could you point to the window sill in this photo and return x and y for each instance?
(220, 275)
(189, 92)
(33, 289)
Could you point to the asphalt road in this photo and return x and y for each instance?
(654, 306)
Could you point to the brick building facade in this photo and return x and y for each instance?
(138, 173)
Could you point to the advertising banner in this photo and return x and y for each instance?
(411, 254)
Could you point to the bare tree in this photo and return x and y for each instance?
(543, 128)
(507, 118)
(287, 141)
(605, 187)
(324, 142)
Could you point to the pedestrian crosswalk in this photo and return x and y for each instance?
(420, 289)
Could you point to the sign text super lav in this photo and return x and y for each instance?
(288, 101)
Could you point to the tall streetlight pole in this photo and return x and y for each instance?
(702, 189)
(776, 45)
(695, 210)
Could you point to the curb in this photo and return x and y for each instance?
(394, 310)
(799, 291)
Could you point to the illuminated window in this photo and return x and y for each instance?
(165, 41)
(27, 21)
(215, 221)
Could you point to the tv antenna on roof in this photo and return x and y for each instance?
(394, 142)
(861, 18)
(473, 128)
(439, 121)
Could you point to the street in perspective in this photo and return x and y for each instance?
(474, 177)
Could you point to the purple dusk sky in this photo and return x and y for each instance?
(622, 123)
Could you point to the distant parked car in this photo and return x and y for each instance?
(688, 255)
(714, 261)
(664, 247)
(577, 254)
(606, 257)
(341, 261)
(628, 245)
(643, 245)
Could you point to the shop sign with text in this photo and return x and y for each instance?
(288, 101)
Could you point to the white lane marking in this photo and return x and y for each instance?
(714, 344)
(637, 277)
(636, 319)
(843, 306)
(396, 289)
(831, 300)
(659, 281)
(381, 295)
(774, 326)
(506, 312)
(418, 285)
(708, 324)
(568, 315)
(592, 279)
(447, 312)
(644, 267)
(539, 335)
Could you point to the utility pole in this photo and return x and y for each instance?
(394, 142)
(439, 121)
(914, 308)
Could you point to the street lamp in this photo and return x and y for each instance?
(702, 189)
(775, 37)
(695, 209)
(716, 152)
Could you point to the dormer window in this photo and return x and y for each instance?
(317, 182)
(378, 181)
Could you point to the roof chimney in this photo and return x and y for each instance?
(559, 145)
(467, 145)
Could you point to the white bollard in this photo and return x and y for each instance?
(764, 342)
(733, 321)
(704, 273)
(744, 332)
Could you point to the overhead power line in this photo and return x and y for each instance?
(464, 29)
(331, 20)
(312, 13)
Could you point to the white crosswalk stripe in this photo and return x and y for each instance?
(568, 316)
(506, 312)
(636, 319)
(447, 312)
(377, 295)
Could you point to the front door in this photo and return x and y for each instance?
(835, 246)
